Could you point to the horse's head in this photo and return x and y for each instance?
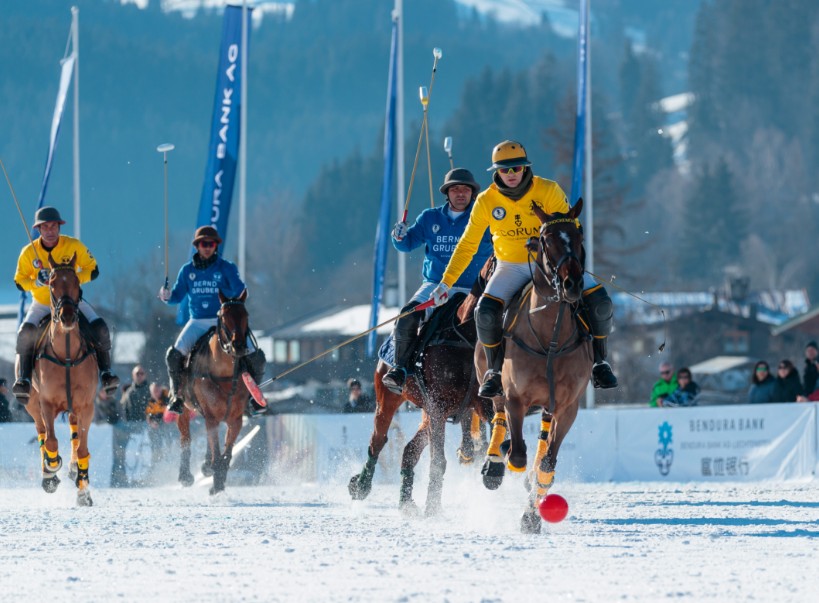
(232, 325)
(65, 292)
(560, 251)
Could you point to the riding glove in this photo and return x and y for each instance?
(400, 231)
(164, 294)
(42, 277)
(440, 295)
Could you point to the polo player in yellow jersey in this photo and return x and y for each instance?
(505, 208)
(33, 276)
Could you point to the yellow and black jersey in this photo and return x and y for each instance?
(32, 258)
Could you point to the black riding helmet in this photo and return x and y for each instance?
(460, 176)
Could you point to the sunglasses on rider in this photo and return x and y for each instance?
(207, 244)
(512, 170)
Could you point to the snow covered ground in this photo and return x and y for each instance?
(284, 542)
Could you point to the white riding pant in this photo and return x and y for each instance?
(509, 277)
(37, 311)
(193, 330)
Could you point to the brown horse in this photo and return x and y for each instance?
(548, 360)
(213, 386)
(65, 380)
(444, 387)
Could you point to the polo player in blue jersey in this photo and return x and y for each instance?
(439, 229)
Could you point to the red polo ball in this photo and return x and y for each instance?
(553, 508)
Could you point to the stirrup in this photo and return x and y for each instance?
(255, 408)
(394, 380)
(110, 382)
(176, 405)
(492, 386)
(21, 388)
(602, 376)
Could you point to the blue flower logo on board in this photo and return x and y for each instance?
(664, 455)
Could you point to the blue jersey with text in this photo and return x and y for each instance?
(202, 286)
(436, 229)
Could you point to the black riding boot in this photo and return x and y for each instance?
(600, 314)
(255, 363)
(602, 375)
(175, 361)
(406, 330)
(489, 322)
(26, 342)
(102, 344)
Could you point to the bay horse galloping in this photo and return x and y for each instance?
(548, 360)
(65, 380)
(443, 386)
(213, 385)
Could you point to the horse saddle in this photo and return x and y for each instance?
(517, 305)
(201, 343)
(440, 329)
(85, 331)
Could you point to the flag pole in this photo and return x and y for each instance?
(588, 222)
(75, 42)
(243, 152)
(399, 118)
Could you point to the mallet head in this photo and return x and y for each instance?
(423, 94)
(165, 147)
(436, 52)
(448, 145)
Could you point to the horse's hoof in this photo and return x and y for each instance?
(409, 509)
(530, 523)
(433, 509)
(492, 472)
(50, 484)
(359, 490)
(465, 459)
(186, 479)
(207, 469)
(84, 498)
(73, 472)
(214, 490)
(514, 467)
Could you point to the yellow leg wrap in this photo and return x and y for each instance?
(544, 482)
(50, 458)
(475, 430)
(41, 441)
(83, 462)
(498, 434)
(82, 468)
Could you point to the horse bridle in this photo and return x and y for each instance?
(224, 335)
(65, 300)
(554, 280)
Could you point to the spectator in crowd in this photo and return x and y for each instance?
(665, 385)
(134, 402)
(357, 401)
(5, 405)
(762, 384)
(788, 387)
(686, 392)
(814, 395)
(154, 415)
(810, 374)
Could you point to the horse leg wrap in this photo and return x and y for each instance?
(498, 434)
(475, 429)
(82, 472)
(51, 461)
(407, 480)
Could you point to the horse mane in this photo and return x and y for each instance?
(467, 308)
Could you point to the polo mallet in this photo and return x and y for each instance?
(427, 304)
(165, 148)
(448, 149)
(425, 102)
(20, 211)
(436, 53)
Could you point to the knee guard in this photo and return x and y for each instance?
(26, 339)
(489, 320)
(599, 310)
(101, 335)
(407, 327)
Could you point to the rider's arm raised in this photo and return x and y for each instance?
(415, 236)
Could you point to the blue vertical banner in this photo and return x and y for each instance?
(580, 116)
(223, 150)
(66, 72)
(382, 232)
